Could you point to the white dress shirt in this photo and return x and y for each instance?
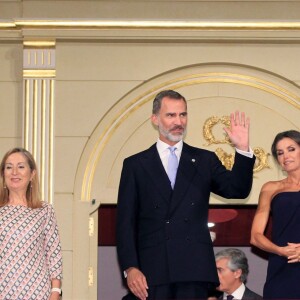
(164, 152)
(237, 294)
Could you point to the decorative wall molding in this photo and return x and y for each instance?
(156, 29)
(38, 103)
(150, 24)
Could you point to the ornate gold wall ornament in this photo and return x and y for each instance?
(225, 158)
(207, 129)
(261, 159)
(228, 159)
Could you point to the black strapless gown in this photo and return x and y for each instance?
(283, 279)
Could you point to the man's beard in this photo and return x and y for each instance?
(172, 137)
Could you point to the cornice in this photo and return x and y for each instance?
(20, 24)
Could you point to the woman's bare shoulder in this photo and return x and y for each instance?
(271, 188)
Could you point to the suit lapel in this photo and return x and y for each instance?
(154, 167)
(247, 293)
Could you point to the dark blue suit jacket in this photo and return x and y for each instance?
(164, 232)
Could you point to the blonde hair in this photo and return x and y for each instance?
(33, 189)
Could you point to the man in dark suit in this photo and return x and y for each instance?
(232, 267)
(163, 242)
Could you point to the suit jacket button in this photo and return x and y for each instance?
(186, 220)
(188, 238)
(192, 203)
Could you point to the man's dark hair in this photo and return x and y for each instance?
(167, 93)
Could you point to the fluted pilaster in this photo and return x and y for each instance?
(38, 101)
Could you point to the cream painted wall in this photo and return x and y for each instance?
(11, 95)
(106, 80)
(165, 9)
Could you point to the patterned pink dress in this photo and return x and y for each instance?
(30, 252)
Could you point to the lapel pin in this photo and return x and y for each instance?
(193, 160)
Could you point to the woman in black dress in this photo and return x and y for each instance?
(282, 199)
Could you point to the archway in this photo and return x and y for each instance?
(210, 89)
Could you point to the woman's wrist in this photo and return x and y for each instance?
(56, 289)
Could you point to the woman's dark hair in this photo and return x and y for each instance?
(291, 134)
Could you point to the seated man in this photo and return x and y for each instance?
(232, 267)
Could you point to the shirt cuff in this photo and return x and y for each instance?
(245, 153)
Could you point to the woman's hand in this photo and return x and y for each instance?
(294, 253)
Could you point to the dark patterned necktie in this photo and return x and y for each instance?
(229, 297)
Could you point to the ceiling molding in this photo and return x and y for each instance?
(87, 24)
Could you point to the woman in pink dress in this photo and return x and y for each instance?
(30, 251)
